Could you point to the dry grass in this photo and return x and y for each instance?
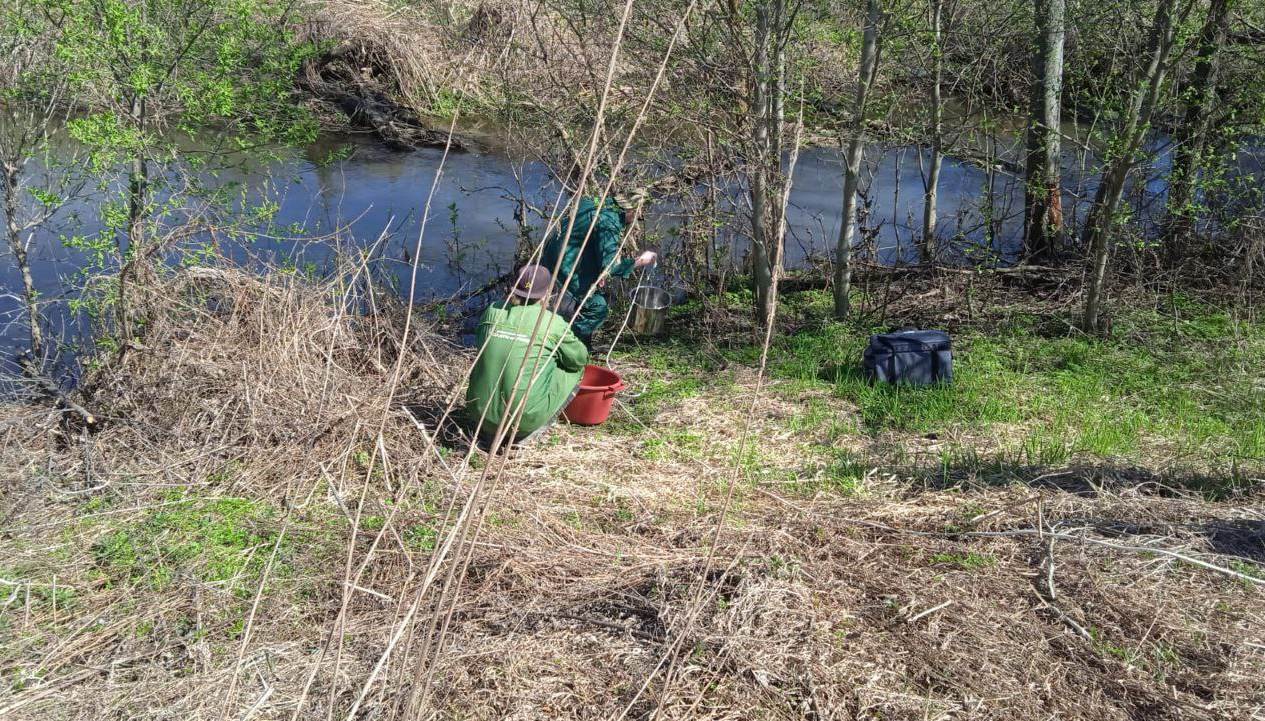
(241, 441)
(471, 54)
(399, 40)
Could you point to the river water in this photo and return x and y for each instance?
(376, 197)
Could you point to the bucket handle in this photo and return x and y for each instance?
(610, 392)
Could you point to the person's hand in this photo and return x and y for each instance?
(601, 283)
(647, 258)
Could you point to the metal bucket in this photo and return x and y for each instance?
(650, 309)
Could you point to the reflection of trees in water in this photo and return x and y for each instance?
(473, 234)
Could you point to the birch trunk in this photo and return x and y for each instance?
(761, 270)
(768, 180)
(13, 232)
(1043, 214)
(852, 161)
(931, 188)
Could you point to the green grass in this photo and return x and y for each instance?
(661, 391)
(1248, 569)
(681, 444)
(964, 561)
(1159, 659)
(1177, 388)
(224, 540)
(843, 474)
(423, 537)
(1194, 387)
(39, 592)
(446, 103)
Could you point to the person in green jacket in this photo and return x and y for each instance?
(531, 362)
(599, 259)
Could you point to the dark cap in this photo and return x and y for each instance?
(533, 282)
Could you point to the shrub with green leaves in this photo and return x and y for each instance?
(145, 75)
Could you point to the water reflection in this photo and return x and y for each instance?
(378, 197)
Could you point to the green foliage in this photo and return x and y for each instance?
(46, 197)
(108, 137)
(147, 65)
(223, 541)
(144, 75)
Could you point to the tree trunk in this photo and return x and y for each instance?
(1043, 213)
(19, 249)
(769, 179)
(1102, 214)
(1192, 135)
(778, 179)
(852, 160)
(137, 198)
(711, 247)
(931, 187)
(31, 296)
(762, 267)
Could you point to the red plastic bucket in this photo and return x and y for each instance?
(592, 404)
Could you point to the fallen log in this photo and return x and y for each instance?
(333, 79)
(49, 390)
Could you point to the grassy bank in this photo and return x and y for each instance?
(1177, 390)
(253, 532)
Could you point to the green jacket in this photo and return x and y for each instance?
(601, 253)
(496, 387)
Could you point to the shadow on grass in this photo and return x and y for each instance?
(1088, 479)
(1193, 521)
(1238, 538)
(842, 373)
(1245, 539)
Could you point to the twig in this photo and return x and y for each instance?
(254, 709)
(1050, 596)
(931, 610)
(636, 633)
(50, 390)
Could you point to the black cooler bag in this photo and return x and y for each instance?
(915, 357)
